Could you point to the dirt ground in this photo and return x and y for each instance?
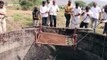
(11, 23)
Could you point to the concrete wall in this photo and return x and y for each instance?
(15, 44)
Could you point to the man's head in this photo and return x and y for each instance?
(1, 4)
(94, 4)
(54, 2)
(77, 4)
(43, 3)
(69, 3)
(35, 8)
(105, 8)
(48, 1)
(87, 8)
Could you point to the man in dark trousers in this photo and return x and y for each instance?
(53, 14)
(36, 15)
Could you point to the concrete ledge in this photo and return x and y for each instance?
(15, 43)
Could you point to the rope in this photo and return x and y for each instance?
(82, 38)
(85, 36)
(87, 33)
(104, 41)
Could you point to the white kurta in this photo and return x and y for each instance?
(2, 21)
(54, 9)
(75, 19)
(49, 6)
(44, 11)
(95, 10)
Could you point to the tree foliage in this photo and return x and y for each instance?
(90, 4)
(27, 4)
(81, 3)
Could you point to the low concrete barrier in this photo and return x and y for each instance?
(15, 43)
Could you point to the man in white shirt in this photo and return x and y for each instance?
(53, 13)
(44, 13)
(75, 16)
(2, 17)
(96, 15)
(86, 17)
(49, 3)
(104, 19)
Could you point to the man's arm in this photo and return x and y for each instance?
(65, 8)
(57, 8)
(3, 12)
(82, 13)
(79, 13)
(100, 13)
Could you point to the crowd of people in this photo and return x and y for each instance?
(48, 11)
(92, 16)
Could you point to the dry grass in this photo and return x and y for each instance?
(61, 19)
(17, 19)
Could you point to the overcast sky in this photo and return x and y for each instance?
(99, 2)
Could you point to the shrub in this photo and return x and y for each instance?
(26, 4)
(90, 4)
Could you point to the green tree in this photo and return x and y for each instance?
(90, 4)
(81, 3)
(27, 4)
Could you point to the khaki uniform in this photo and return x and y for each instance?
(2, 21)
